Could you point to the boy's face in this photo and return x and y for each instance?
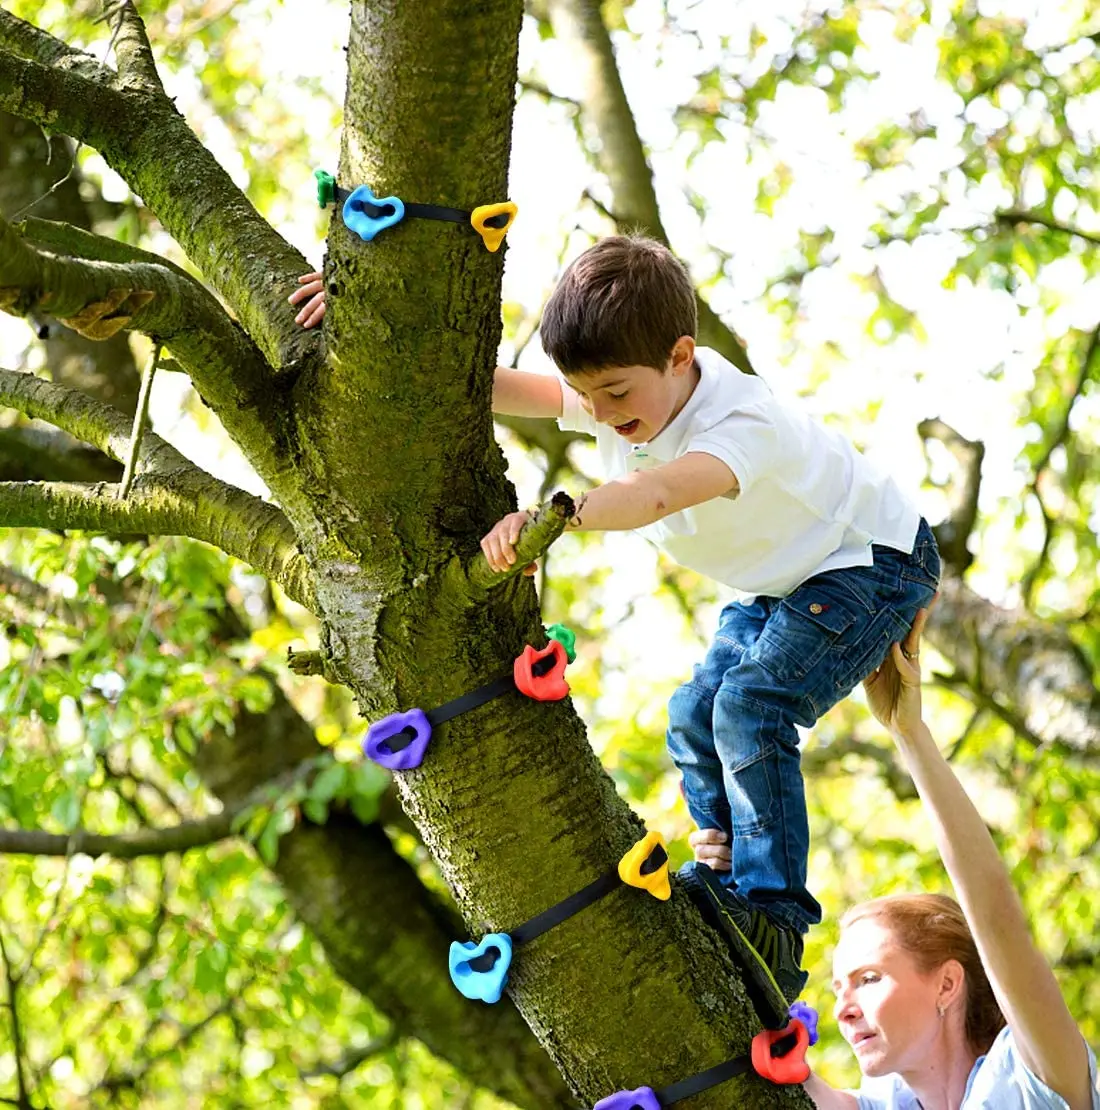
(639, 402)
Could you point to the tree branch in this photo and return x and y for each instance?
(174, 497)
(1015, 216)
(16, 1029)
(354, 1058)
(40, 454)
(136, 66)
(184, 503)
(1029, 672)
(28, 41)
(67, 95)
(622, 156)
(964, 486)
(130, 845)
(1058, 439)
(152, 842)
(249, 264)
(90, 421)
(535, 538)
(97, 297)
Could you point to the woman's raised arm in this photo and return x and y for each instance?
(1046, 1035)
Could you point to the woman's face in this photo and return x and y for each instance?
(885, 1006)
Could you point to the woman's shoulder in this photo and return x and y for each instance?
(1000, 1080)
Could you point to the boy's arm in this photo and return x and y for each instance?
(631, 502)
(519, 393)
(646, 496)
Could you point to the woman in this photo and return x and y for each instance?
(946, 1008)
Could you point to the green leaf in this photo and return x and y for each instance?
(267, 843)
(66, 810)
(329, 782)
(316, 810)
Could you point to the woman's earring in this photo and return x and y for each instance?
(939, 1010)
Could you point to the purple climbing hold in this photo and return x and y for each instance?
(808, 1016)
(643, 1098)
(399, 741)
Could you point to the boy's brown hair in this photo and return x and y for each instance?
(624, 302)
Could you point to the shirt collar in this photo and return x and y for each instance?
(668, 442)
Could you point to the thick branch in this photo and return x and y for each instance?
(43, 455)
(1011, 658)
(98, 298)
(28, 41)
(622, 156)
(67, 95)
(181, 504)
(88, 420)
(249, 264)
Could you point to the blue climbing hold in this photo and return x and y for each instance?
(481, 970)
(367, 215)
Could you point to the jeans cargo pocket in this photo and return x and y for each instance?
(801, 629)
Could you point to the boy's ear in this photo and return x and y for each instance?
(683, 355)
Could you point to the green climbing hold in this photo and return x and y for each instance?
(326, 187)
(566, 637)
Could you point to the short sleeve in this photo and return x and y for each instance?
(747, 441)
(574, 417)
(1036, 1094)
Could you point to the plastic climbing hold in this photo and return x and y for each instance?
(540, 672)
(566, 637)
(480, 970)
(641, 1098)
(808, 1016)
(492, 221)
(646, 866)
(326, 188)
(776, 1065)
(399, 740)
(367, 215)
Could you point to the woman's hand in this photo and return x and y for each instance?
(893, 691)
(711, 846)
(312, 286)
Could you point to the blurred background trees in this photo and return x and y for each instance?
(890, 210)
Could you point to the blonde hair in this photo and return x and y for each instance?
(932, 929)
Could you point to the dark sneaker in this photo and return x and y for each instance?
(769, 954)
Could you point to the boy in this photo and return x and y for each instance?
(703, 461)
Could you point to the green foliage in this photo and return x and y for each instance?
(183, 980)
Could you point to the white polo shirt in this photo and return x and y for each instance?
(809, 501)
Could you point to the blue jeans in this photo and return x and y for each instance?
(774, 664)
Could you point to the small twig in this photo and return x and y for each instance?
(76, 150)
(534, 539)
(140, 417)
